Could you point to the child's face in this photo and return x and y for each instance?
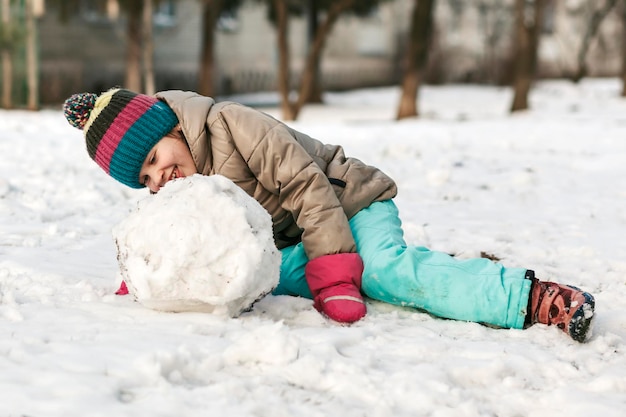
(169, 159)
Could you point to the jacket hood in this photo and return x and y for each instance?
(192, 111)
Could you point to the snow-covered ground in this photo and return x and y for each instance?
(545, 189)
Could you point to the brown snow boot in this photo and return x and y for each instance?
(564, 306)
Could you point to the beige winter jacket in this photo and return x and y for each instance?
(310, 189)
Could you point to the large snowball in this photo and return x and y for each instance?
(200, 244)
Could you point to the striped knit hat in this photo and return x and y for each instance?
(120, 128)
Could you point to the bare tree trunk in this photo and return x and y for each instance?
(313, 23)
(623, 49)
(416, 57)
(133, 47)
(7, 64)
(148, 49)
(283, 59)
(315, 52)
(492, 17)
(597, 18)
(32, 64)
(211, 10)
(527, 32)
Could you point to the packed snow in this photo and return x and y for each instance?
(200, 244)
(543, 189)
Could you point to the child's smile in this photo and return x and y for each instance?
(175, 174)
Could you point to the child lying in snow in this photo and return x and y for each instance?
(333, 217)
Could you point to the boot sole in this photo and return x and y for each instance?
(580, 324)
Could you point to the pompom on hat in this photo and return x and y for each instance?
(120, 129)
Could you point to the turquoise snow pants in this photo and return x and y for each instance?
(476, 290)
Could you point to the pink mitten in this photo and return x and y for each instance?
(335, 282)
(123, 290)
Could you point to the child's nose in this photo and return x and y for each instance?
(154, 181)
(154, 187)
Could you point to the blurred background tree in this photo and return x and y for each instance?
(528, 20)
(225, 47)
(623, 42)
(596, 19)
(212, 10)
(32, 57)
(309, 80)
(148, 47)
(9, 37)
(416, 57)
(321, 16)
(18, 38)
(134, 43)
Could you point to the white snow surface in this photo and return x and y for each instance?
(200, 244)
(543, 189)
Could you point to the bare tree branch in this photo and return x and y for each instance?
(597, 18)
